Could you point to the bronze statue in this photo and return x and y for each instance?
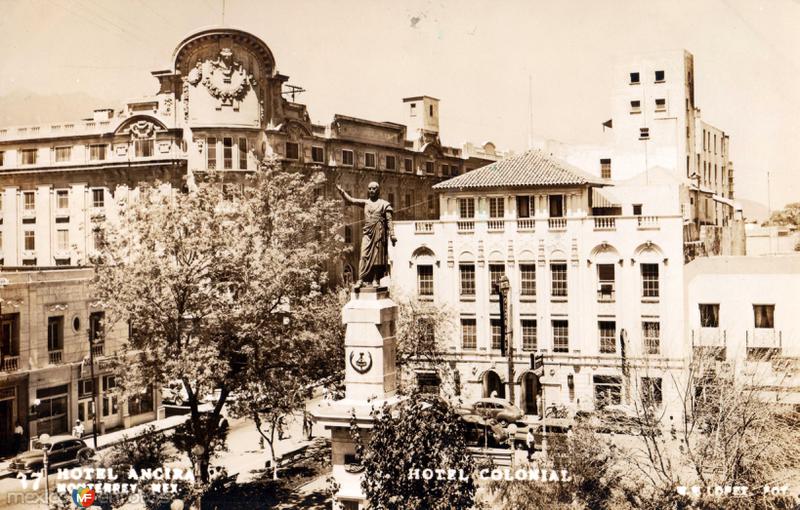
(378, 230)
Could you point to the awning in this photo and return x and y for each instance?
(605, 197)
(723, 200)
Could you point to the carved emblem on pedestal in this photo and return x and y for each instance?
(167, 108)
(363, 363)
(142, 129)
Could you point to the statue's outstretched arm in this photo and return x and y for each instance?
(347, 198)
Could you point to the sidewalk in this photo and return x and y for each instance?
(112, 438)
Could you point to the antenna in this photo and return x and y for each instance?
(769, 201)
(223, 12)
(293, 90)
(530, 112)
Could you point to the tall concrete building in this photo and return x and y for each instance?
(221, 105)
(596, 289)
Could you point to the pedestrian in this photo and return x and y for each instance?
(530, 441)
(307, 425)
(281, 424)
(77, 430)
(493, 394)
(18, 433)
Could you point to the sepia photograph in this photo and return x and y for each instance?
(417, 255)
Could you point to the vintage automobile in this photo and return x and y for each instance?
(62, 451)
(495, 408)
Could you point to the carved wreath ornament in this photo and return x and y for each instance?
(224, 78)
(361, 364)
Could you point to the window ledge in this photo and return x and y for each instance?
(650, 300)
(527, 299)
(558, 299)
(470, 299)
(425, 298)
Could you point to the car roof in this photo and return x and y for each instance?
(59, 439)
(493, 400)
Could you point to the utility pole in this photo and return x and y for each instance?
(95, 403)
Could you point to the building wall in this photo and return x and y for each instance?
(582, 243)
(736, 284)
(30, 300)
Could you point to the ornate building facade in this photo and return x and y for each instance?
(220, 105)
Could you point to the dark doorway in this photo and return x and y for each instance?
(530, 392)
(493, 385)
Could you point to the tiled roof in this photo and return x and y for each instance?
(529, 169)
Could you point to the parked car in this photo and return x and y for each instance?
(213, 397)
(557, 430)
(497, 408)
(62, 451)
(481, 432)
(174, 393)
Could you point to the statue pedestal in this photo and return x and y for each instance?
(370, 383)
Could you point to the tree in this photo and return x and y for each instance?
(272, 393)
(205, 280)
(789, 215)
(733, 432)
(422, 334)
(420, 434)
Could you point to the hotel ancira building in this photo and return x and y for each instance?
(220, 104)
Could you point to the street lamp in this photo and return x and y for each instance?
(42, 441)
(95, 403)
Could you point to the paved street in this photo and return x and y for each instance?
(244, 457)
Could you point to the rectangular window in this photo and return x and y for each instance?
(29, 156)
(62, 239)
(409, 165)
(636, 106)
(407, 203)
(293, 151)
(605, 168)
(560, 336)
(391, 163)
(445, 170)
(97, 152)
(211, 153)
(453, 170)
(413, 110)
(651, 391)
(2, 158)
(30, 240)
(466, 208)
(469, 337)
(96, 328)
(558, 279)
(227, 153)
(605, 282)
(651, 335)
(523, 207)
(242, 153)
(496, 336)
(496, 271)
(369, 160)
(659, 76)
(98, 198)
(29, 200)
(709, 316)
(528, 334)
(637, 209)
(496, 207)
(62, 199)
(608, 335)
(649, 280)
(467, 279)
(644, 133)
(347, 157)
(634, 78)
(142, 403)
(430, 167)
(556, 203)
(764, 316)
(144, 148)
(425, 280)
(317, 154)
(527, 279)
(607, 390)
(55, 333)
(63, 154)
(661, 105)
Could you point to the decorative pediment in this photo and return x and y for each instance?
(224, 78)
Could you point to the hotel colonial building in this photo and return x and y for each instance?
(596, 282)
(219, 105)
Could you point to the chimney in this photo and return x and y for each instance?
(103, 114)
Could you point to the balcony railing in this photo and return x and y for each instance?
(423, 227)
(466, 226)
(10, 363)
(605, 294)
(557, 223)
(98, 349)
(56, 357)
(648, 222)
(764, 337)
(495, 225)
(605, 223)
(526, 224)
(713, 337)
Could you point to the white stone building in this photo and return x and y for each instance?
(596, 274)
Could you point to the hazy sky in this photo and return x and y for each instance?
(361, 57)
